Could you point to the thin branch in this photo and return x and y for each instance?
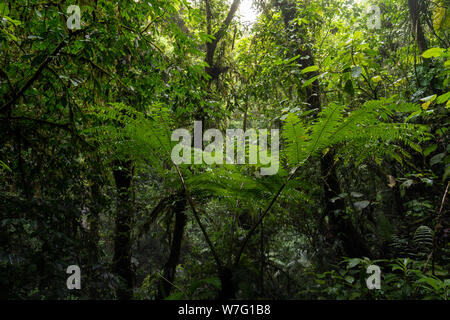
(69, 127)
(191, 203)
(274, 199)
(436, 229)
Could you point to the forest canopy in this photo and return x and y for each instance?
(224, 149)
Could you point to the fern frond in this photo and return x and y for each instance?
(295, 136)
(324, 130)
(423, 240)
(230, 184)
(367, 131)
(121, 131)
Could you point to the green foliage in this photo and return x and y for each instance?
(400, 279)
(121, 131)
(79, 108)
(366, 128)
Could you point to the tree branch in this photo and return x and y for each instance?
(4, 108)
(197, 218)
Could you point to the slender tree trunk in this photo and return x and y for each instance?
(414, 13)
(165, 286)
(227, 291)
(244, 122)
(289, 12)
(262, 262)
(213, 70)
(122, 239)
(340, 226)
(93, 237)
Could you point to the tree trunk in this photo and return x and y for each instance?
(213, 70)
(122, 239)
(92, 238)
(343, 229)
(414, 13)
(165, 286)
(289, 12)
(340, 226)
(227, 291)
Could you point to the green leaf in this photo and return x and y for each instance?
(14, 22)
(361, 204)
(428, 150)
(310, 69)
(349, 87)
(292, 59)
(437, 159)
(446, 173)
(408, 183)
(429, 98)
(432, 282)
(443, 98)
(215, 282)
(376, 79)
(349, 279)
(426, 105)
(356, 194)
(10, 35)
(4, 165)
(353, 262)
(310, 81)
(432, 53)
(176, 296)
(4, 10)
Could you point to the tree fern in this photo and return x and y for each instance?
(295, 135)
(418, 247)
(423, 240)
(366, 131)
(121, 131)
(230, 183)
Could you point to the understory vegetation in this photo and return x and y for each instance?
(358, 91)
